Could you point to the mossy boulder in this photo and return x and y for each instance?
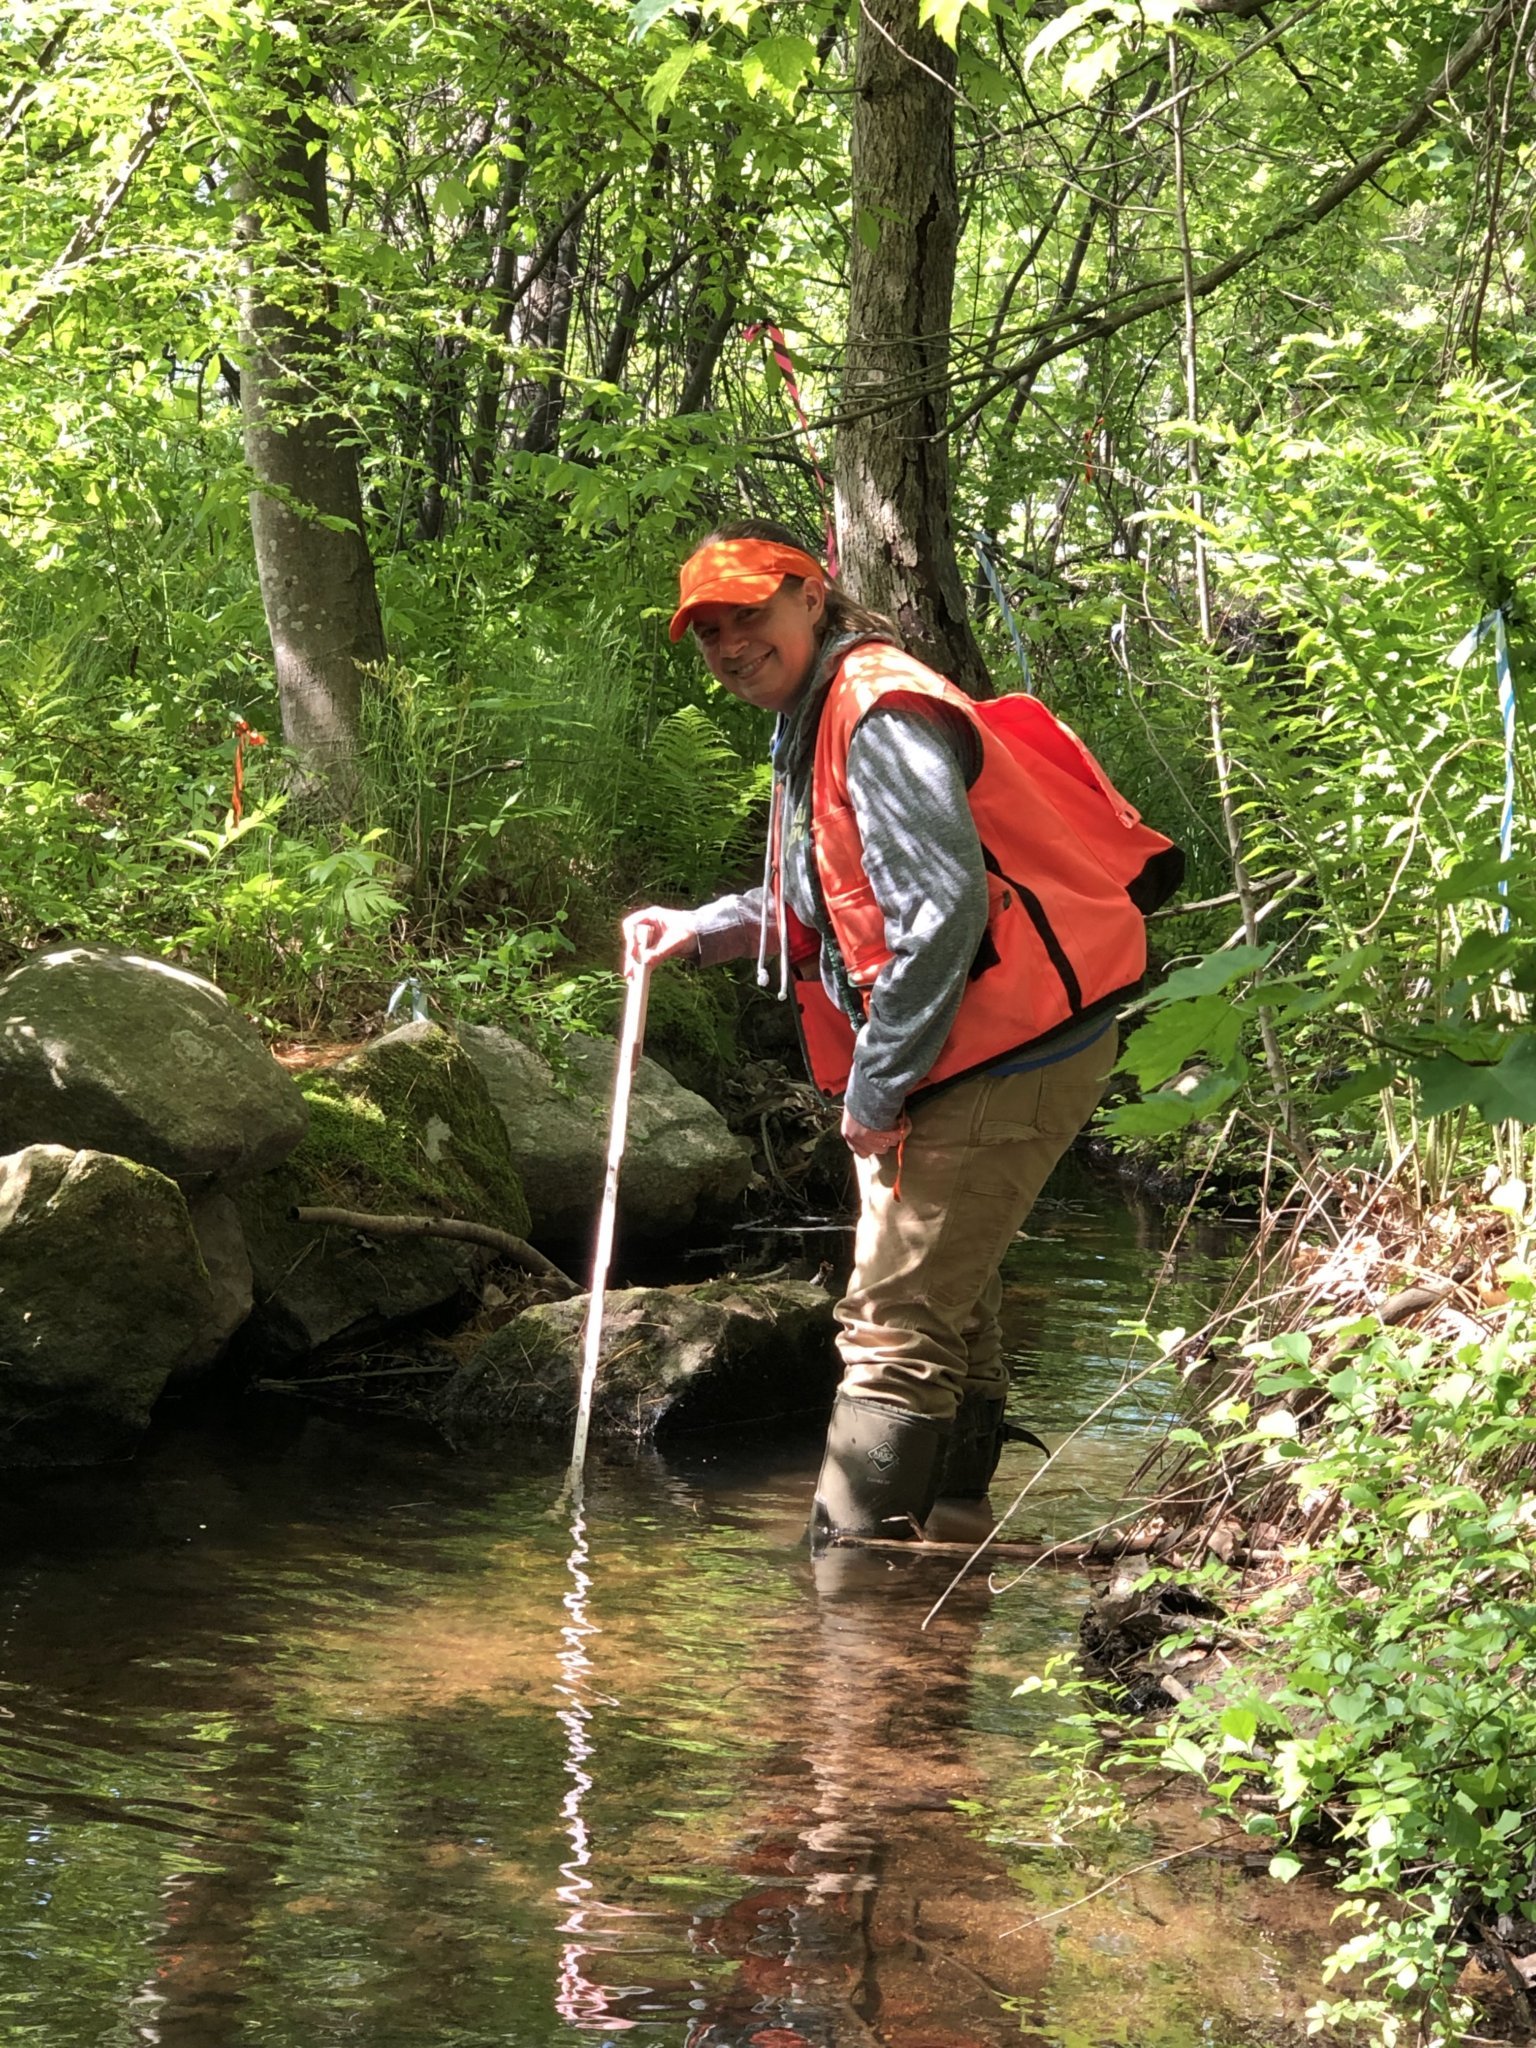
(405, 1127)
(221, 1241)
(673, 1359)
(119, 1053)
(103, 1295)
(682, 1164)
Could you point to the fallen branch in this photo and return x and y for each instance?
(1093, 1549)
(1109, 1884)
(515, 1248)
(1086, 1550)
(1409, 1300)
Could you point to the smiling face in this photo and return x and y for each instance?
(763, 653)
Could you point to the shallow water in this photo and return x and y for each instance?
(315, 1734)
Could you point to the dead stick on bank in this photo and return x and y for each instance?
(515, 1248)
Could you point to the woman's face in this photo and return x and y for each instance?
(763, 653)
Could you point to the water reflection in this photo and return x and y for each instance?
(872, 1912)
(311, 1735)
(579, 2000)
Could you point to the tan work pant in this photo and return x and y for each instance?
(920, 1318)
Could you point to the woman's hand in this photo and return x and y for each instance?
(867, 1144)
(658, 934)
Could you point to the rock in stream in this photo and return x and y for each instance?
(404, 1127)
(673, 1359)
(682, 1163)
(103, 1295)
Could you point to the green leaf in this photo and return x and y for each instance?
(644, 15)
(1174, 1035)
(944, 16)
(1083, 76)
(1284, 1866)
(1369, 1081)
(452, 196)
(784, 61)
(1500, 1094)
(1481, 955)
(1216, 971)
(1184, 1754)
(1067, 23)
(1156, 1115)
(1241, 1723)
(665, 82)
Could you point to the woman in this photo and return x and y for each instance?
(957, 952)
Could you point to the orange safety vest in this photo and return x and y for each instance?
(1071, 872)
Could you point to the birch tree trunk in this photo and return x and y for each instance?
(895, 528)
(316, 573)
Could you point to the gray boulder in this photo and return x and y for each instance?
(114, 1052)
(673, 1359)
(681, 1161)
(221, 1241)
(404, 1127)
(102, 1296)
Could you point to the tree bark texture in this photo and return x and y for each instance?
(547, 329)
(895, 526)
(312, 558)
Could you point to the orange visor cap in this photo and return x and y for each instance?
(736, 572)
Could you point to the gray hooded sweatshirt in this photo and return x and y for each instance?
(908, 773)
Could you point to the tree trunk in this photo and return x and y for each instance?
(445, 412)
(549, 328)
(895, 528)
(312, 556)
(704, 356)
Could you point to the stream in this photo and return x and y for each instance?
(312, 1732)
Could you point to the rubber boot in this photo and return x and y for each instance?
(879, 1473)
(962, 1512)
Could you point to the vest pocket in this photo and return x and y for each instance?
(1035, 911)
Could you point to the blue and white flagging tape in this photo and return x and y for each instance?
(994, 583)
(1494, 622)
(412, 988)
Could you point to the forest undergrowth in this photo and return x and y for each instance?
(1332, 1632)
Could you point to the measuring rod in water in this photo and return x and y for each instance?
(637, 979)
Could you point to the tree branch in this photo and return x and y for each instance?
(1225, 71)
(515, 1248)
(21, 95)
(1333, 196)
(546, 252)
(90, 229)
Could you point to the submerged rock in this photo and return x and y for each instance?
(103, 1295)
(117, 1053)
(682, 1162)
(673, 1359)
(405, 1127)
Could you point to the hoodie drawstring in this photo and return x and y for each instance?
(783, 918)
(769, 870)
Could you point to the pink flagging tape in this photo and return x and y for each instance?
(779, 348)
